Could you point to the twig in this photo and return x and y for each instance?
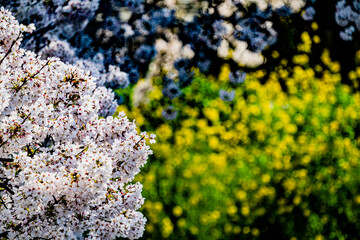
(9, 51)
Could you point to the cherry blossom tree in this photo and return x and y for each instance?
(65, 172)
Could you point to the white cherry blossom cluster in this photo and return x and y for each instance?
(65, 173)
(117, 78)
(113, 78)
(58, 48)
(60, 20)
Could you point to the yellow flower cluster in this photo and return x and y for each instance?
(269, 163)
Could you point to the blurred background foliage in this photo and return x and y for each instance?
(270, 163)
